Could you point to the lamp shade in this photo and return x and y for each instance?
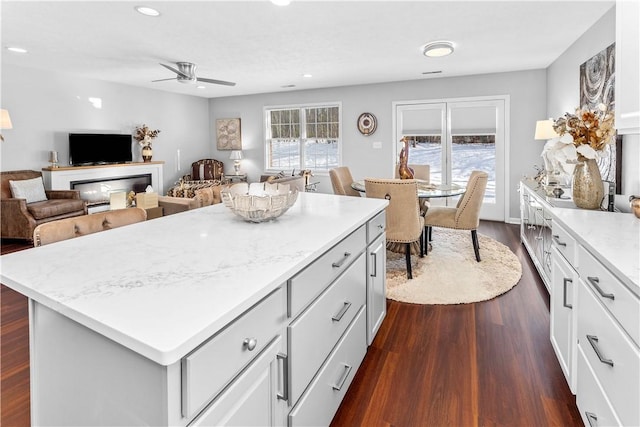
(5, 120)
(544, 130)
(236, 155)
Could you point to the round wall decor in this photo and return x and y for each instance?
(367, 124)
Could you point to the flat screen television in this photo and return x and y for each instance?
(99, 148)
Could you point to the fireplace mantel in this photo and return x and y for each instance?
(61, 178)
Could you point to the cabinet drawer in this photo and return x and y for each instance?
(564, 242)
(590, 399)
(313, 335)
(320, 402)
(623, 305)
(214, 364)
(376, 226)
(310, 282)
(617, 368)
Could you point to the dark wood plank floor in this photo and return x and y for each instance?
(483, 364)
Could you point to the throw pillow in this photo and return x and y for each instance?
(30, 189)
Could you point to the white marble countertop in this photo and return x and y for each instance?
(612, 237)
(163, 286)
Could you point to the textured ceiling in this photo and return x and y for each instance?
(263, 47)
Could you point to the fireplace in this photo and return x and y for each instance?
(97, 191)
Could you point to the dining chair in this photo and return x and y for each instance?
(466, 214)
(405, 225)
(341, 180)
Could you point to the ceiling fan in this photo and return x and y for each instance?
(186, 73)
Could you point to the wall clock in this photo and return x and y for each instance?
(367, 124)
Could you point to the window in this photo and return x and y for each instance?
(303, 137)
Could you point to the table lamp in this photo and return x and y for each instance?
(5, 121)
(53, 159)
(545, 131)
(236, 156)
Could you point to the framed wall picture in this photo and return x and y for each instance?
(228, 134)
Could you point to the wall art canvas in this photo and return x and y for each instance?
(597, 83)
(228, 134)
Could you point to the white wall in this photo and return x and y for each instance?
(527, 90)
(45, 106)
(563, 90)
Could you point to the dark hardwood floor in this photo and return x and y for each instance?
(482, 364)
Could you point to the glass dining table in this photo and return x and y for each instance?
(425, 189)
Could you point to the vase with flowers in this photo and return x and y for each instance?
(145, 137)
(587, 134)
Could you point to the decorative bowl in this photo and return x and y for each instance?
(258, 202)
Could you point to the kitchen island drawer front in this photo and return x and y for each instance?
(591, 400)
(320, 402)
(310, 283)
(564, 242)
(618, 299)
(614, 359)
(376, 226)
(214, 364)
(315, 332)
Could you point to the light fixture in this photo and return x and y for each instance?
(147, 11)
(544, 130)
(281, 2)
(16, 49)
(53, 159)
(236, 156)
(307, 76)
(5, 121)
(200, 87)
(437, 49)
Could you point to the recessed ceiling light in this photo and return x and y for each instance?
(307, 76)
(287, 86)
(281, 2)
(200, 87)
(437, 49)
(17, 49)
(148, 11)
(432, 72)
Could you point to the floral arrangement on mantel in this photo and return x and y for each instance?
(588, 131)
(145, 136)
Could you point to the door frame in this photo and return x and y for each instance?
(507, 135)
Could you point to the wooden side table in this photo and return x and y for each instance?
(231, 178)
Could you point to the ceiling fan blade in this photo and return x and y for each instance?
(215, 82)
(175, 70)
(163, 80)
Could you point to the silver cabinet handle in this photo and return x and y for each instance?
(343, 378)
(339, 263)
(592, 418)
(556, 238)
(593, 340)
(282, 358)
(343, 310)
(380, 226)
(374, 262)
(595, 282)
(564, 297)
(250, 343)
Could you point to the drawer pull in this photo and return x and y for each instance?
(343, 310)
(374, 262)
(282, 359)
(564, 298)
(380, 226)
(592, 418)
(593, 340)
(556, 238)
(595, 282)
(343, 379)
(250, 343)
(339, 263)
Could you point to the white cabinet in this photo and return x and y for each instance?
(535, 231)
(627, 66)
(376, 286)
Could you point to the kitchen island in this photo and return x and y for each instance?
(154, 323)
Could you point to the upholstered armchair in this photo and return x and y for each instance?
(404, 222)
(341, 180)
(20, 217)
(204, 173)
(466, 214)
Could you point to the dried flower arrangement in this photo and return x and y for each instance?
(144, 135)
(588, 130)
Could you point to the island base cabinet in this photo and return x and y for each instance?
(252, 399)
(321, 400)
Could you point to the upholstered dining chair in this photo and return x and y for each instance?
(405, 225)
(341, 180)
(466, 214)
(423, 173)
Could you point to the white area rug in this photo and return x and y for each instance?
(450, 273)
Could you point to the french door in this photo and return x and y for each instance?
(455, 137)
